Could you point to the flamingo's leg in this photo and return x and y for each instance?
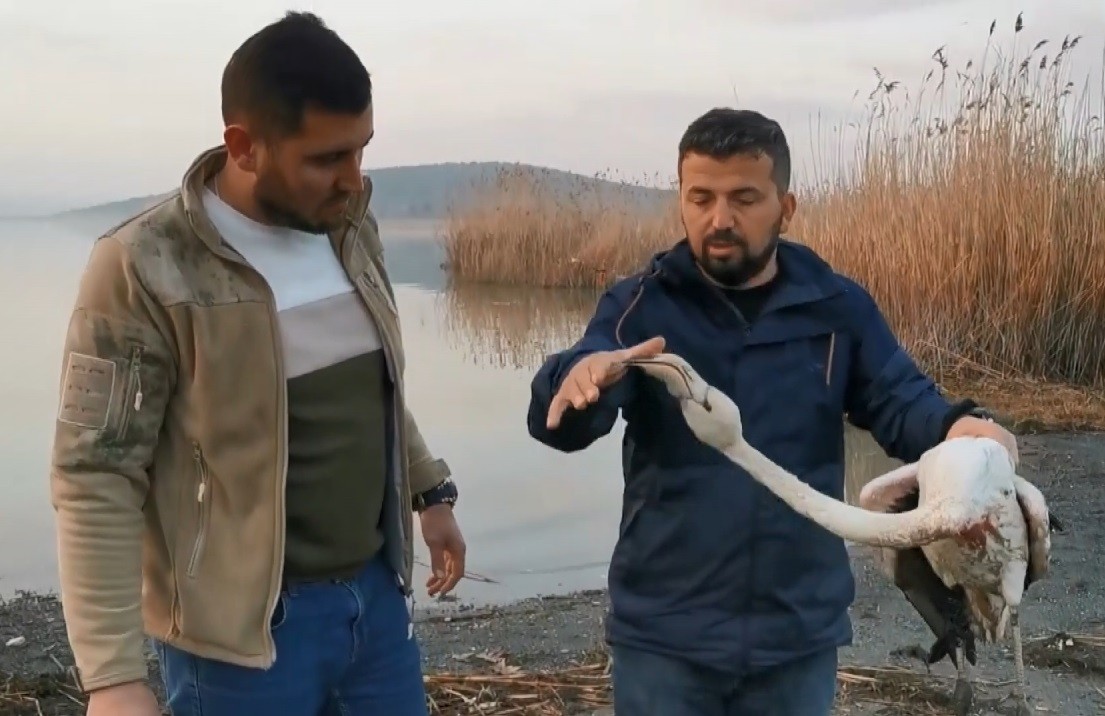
(963, 697)
(1019, 688)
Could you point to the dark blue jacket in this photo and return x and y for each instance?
(709, 564)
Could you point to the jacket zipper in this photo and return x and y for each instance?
(203, 500)
(281, 449)
(365, 277)
(746, 328)
(400, 420)
(132, 399)
(400, 448)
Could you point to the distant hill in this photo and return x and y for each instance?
(408, 192)
(111, 213)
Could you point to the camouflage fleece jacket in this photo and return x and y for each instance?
(172, 347)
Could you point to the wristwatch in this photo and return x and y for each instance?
(962, 409)
(980, 412)
(444, 493)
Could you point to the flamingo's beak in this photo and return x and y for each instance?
(688, 380)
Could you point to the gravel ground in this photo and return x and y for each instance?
(1063, 620)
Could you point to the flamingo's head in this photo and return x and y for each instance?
(710, 414)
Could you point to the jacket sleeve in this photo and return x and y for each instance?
(579, 428)
(118, 371)
(888, 395)
(426, 471)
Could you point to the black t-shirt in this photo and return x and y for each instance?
(750, 301)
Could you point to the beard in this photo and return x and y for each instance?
(740, 266)
(273, 198)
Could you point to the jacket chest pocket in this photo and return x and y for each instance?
(791, 390)
(130, 395)
(804, 368)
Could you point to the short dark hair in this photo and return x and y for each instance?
(723, 132)
(289, 66)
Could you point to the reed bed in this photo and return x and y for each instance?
(973, 210)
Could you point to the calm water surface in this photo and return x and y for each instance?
(537, 521)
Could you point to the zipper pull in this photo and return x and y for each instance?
(198, 457)
(138, 380)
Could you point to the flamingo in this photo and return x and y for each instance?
(962, 535)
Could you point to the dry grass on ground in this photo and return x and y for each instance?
(980, 230)
(504, 689)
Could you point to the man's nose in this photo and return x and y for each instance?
(723, 218)
(351, 180)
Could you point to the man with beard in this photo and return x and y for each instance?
(724, 601)
(234, 468)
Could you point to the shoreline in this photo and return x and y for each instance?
(551, 648)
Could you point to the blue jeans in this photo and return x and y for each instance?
(344, 648)
(647, 684)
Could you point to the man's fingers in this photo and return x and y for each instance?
(645, 349)
(597, 375)
(556, 411)
(585, 393)
(454, 571)
(447, 567)
(582, 386)
(563, 400)
(437, 569)
(575, 392)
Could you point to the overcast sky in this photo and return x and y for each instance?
(109, 99)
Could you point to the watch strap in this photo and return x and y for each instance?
(445, 492)
(962, 409)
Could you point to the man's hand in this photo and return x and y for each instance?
(593, 374)
(970, 426)
(442, 536)
(131, 699)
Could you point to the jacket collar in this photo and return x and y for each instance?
(205, 166)
(804, 277)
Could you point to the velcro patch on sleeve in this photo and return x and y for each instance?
(87, 391)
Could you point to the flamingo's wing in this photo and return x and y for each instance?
(886, 492)
(942, 608)
(1040, 523)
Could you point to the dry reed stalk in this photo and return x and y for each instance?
(973, 211)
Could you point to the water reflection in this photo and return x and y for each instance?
(512, 327)
(515, 327)
(537, 520)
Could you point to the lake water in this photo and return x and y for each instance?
(535, 520)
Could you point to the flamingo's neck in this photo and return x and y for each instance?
(904, 530)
